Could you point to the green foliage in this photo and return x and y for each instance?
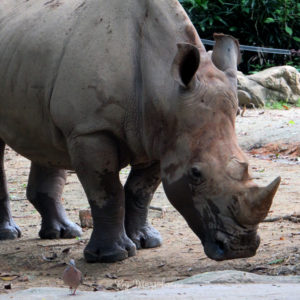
(257, 67)
(283, 104)
(268, 23)
(277, 104)
(295, 63)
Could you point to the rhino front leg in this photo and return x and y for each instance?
(8, 229)
(44, 191)
(139, 189)
(95, 159)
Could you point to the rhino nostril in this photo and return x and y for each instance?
(220, 249)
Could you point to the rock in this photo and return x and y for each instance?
(273, 84)
(86, 219)
(285, 270)
(7, 286)
(231, 284)
(236, 277)
(250, 91)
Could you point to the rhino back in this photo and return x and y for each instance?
(69, 68)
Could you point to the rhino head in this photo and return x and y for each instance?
(204, 171)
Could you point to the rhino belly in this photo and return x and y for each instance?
(37, 143)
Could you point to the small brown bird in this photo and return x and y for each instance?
(72, 276)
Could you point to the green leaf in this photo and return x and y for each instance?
(246, 9)
(276, 261)
(233, 28)
(269, 20)
(296, 39)
(291, 122)
(203, 4)
(221, 20)
(288, 30)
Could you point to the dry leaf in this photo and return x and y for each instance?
(98, 288)
(23, 279)
(111, 276)
(66, 251)
(8, 277)
(50, 258)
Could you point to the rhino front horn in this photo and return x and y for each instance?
(255, 204)
(262, 198)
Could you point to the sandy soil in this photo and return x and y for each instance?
(31, 262)
(261, 126)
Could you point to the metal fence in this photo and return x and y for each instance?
(253, 48)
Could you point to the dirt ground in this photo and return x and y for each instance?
(31, 262)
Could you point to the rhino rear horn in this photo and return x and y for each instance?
(226, 54)
(185, 64)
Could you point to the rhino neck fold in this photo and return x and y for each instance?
(164, 24)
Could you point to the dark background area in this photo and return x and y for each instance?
(262, 23)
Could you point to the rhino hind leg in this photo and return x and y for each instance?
(44, 191)
(95, 159)
(139, 189)
(8, 229)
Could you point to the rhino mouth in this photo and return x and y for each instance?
(224, 247)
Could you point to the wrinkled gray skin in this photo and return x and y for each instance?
(96, 85)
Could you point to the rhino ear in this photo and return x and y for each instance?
(185, 64)
(226, 54)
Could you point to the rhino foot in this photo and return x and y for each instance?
(9, 231)
(102, 251)
(146, 237)
(65, 230)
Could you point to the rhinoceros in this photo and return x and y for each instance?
(94, 86)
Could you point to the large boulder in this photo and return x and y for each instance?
(273, 84)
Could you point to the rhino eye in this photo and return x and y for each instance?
(196, 172)
(196, 175)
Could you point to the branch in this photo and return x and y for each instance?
(293, 218)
